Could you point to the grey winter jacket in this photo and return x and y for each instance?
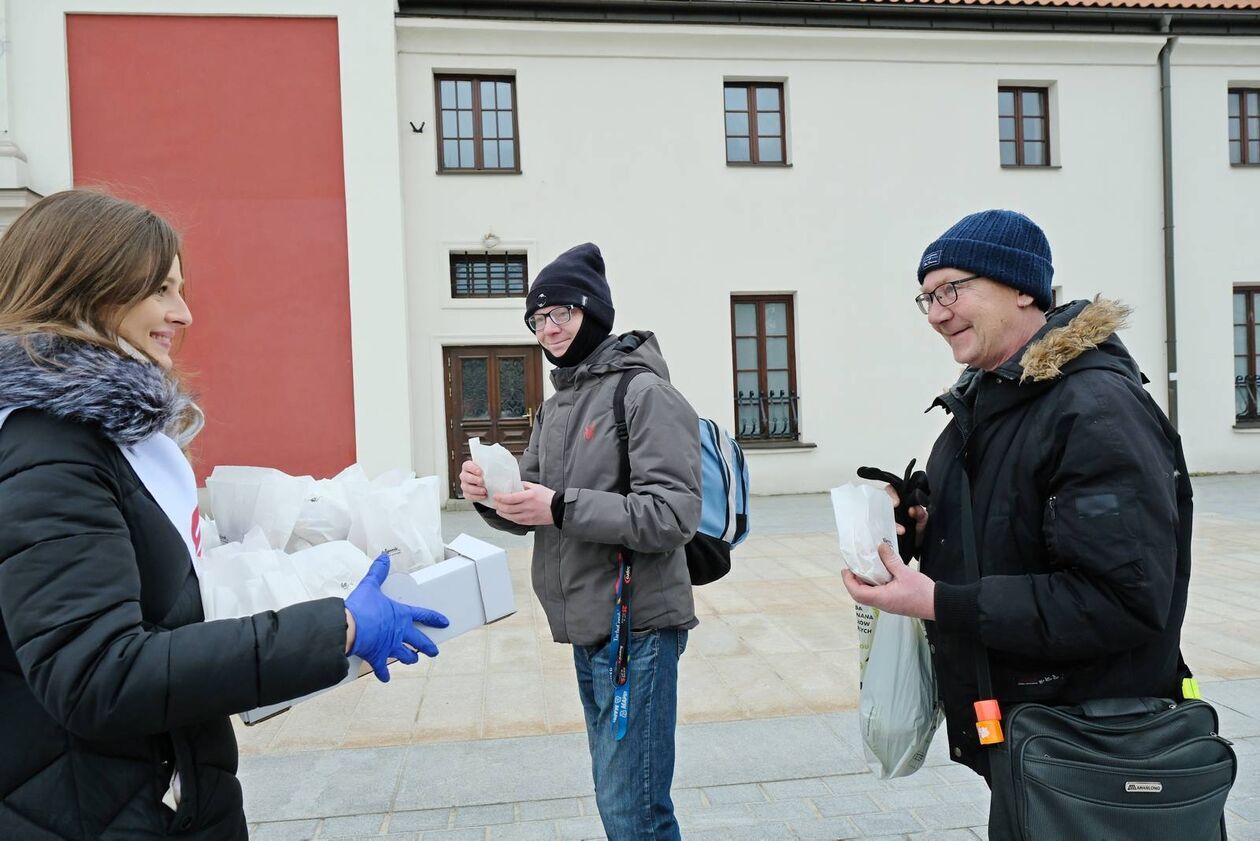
(573, 450)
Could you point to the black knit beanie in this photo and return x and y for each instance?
(575, 277)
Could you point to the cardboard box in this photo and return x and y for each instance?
(471, 588)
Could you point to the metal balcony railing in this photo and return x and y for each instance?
(766, 417)
(1247, 398)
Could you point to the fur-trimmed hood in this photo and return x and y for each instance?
(1080, 327)
(128, 399)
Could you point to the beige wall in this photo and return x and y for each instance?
(892, 137)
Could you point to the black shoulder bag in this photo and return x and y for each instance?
(1103, 770)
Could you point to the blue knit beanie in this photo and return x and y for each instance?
(1001, 245)
(575, 277)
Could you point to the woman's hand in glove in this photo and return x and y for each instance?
(910, 497)
(380, 628)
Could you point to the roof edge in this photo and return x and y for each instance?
(860, 14)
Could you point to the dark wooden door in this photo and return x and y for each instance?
(492, 393)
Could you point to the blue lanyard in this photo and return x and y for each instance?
(619, 667)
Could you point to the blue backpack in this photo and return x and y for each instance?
(723, 490)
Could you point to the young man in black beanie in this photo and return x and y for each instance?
(591, 533)
(1080, 494)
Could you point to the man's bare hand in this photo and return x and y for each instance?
(472, 482)
(530, 507)
(910, 593)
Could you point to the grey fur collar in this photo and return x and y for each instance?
(128, 399)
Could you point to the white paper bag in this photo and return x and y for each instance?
(864, 519)
(323, 517)
(244, 498)
(897, 709)
(502, 474)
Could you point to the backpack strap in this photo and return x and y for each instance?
(623, 430)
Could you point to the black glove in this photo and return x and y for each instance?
(912, 490)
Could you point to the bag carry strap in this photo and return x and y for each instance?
(619, 640)
(984, 677)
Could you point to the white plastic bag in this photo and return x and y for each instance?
(864, 519)
(897, 708)
(502, 473)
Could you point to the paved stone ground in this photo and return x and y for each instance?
(767, 747)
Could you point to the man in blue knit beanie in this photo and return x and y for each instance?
(1075, 487)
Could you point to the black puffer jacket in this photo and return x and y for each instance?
(1082, 510)
(109, 678)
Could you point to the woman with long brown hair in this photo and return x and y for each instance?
(114, 693)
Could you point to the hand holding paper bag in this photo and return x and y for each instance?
(500, 472)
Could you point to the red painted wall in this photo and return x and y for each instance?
(231, 128)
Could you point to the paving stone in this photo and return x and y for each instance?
(963, 792)
(485, 815)
(953, 773)
(424, 819)
(465, 834)
(1246, 808)
(351, 826)
(887, 823)
(685, 798)
(757, 832)
(540, 810)
(1242, 830)
(853, 783)
(943, 835)
(790, 789)
(722, 795)
(783, 810)
(907, 799)
(727, 814)
(526, 831)
(284, 831)
(855, 804)
(579, 829)
(952, 815)
(825, 829)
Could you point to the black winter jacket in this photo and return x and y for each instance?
(109, 678)
(1082, 511)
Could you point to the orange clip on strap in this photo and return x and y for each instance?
(989, 722)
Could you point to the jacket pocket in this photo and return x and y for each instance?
(1096, 530)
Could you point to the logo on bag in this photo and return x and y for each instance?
(1138, 788)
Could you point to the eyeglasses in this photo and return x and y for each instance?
(945, 294)
(559, 317)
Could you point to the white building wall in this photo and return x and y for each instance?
(1217, 228)
(891, 136)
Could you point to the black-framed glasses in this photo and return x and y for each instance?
(945, 294)
(559, 316)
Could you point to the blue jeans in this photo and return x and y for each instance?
(633, 776)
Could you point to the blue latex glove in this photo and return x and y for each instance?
(384, 628)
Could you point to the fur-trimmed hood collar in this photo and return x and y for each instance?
(1070, 331)
(128, 399)
(1077, 336)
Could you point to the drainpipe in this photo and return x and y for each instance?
(1170, 269)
